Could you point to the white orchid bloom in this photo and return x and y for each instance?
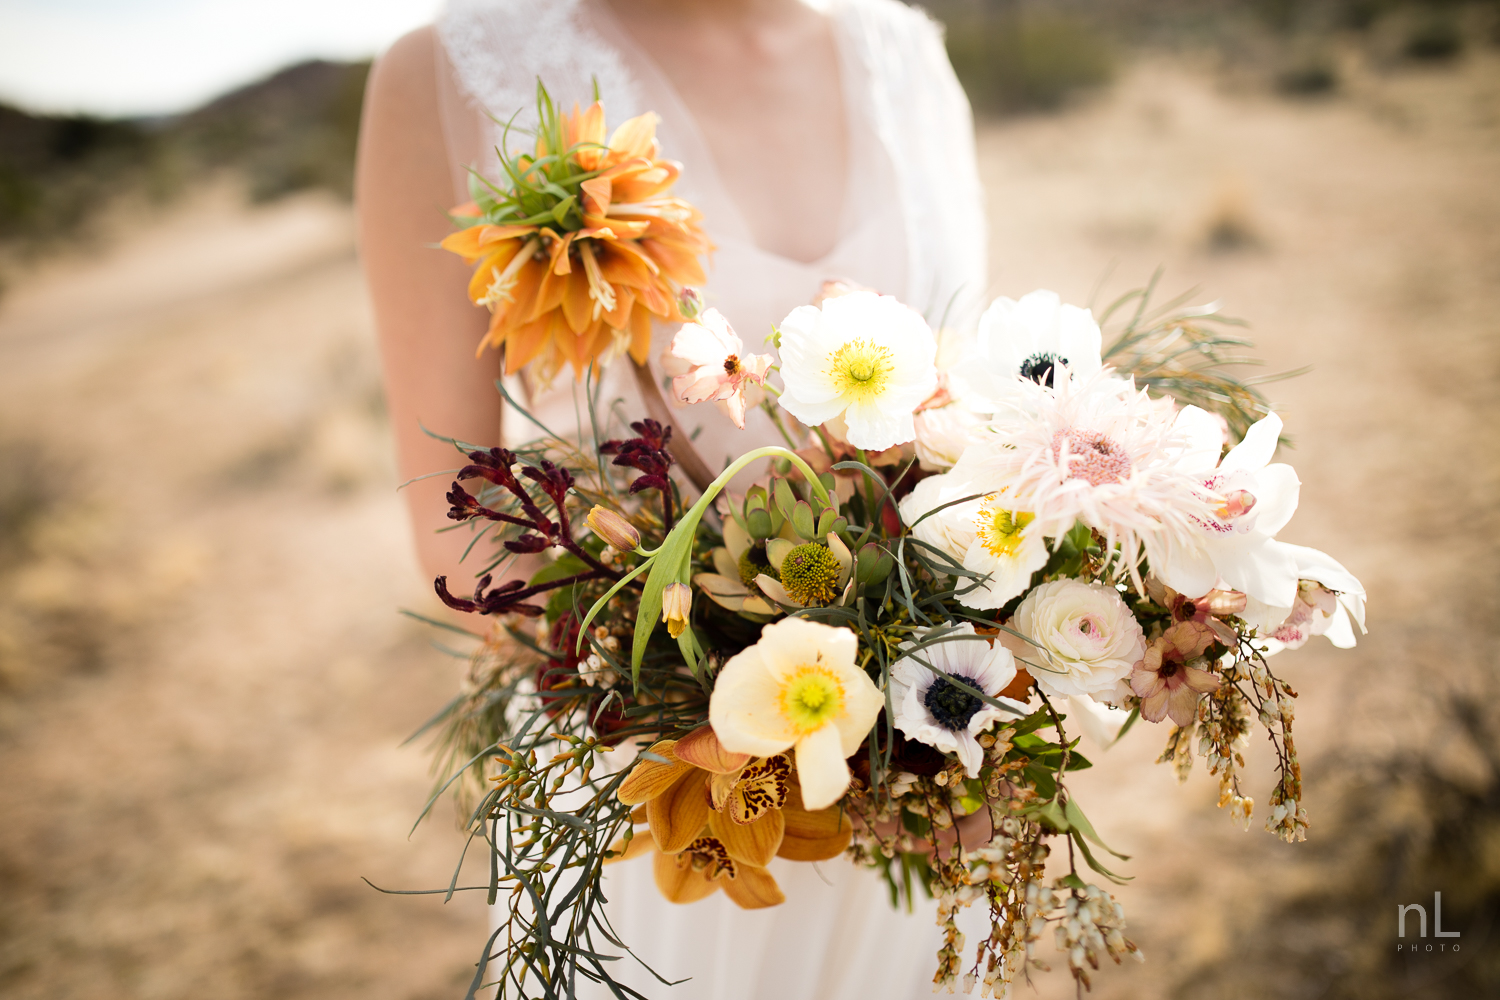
(864, 356)
(1232, 544)
(1030, 339)
(1329, 601)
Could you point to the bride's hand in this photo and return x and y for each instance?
(971, 831)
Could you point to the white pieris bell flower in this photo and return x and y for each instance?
(1027, 339)
(798, 689)
(862, 355)
(931, 709)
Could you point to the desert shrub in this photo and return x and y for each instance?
(1026, 60)
(1434, 37)
(1308, 76)
(292, 131)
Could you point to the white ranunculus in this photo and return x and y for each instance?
(942, 435)
(1026, 339)
(932, 710)
(862, 355)
(1086, 639)
(950, 530)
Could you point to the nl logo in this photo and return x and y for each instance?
(1419, 914)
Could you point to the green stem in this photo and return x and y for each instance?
(673, 561)
(774, 412)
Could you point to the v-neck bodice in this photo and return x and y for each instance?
(868, 175)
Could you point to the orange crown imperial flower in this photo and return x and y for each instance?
(584, 247)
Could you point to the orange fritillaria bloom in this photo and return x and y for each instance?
(559, 295)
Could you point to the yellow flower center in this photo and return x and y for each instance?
(861, 369)
(999, 529)
(811, 698)
(810, 574)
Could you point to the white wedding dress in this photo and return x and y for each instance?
(912, 226)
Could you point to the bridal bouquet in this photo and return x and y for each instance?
(888, 646)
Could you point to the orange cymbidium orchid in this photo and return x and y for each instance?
(575, 259)
(716, 819)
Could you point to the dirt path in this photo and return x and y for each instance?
(205, 685)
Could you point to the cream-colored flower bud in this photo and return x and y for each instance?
(676, 605)
(690, 303)
(613, 529)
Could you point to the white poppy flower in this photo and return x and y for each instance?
(986, 536)
(1231, 542)
(1030, 340)
(931, 709)
(798, 688)
(862, 355)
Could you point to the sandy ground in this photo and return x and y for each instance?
(204, 684)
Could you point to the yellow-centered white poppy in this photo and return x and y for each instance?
(864, 356)
(798, 689)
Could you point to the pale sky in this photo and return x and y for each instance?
(134, 57)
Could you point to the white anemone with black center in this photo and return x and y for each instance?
(1026, 340)
(932, 709)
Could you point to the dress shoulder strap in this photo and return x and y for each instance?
(924, 121)
(500, 48)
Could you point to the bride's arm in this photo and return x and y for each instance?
(427, 327)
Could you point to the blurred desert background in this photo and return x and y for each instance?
(205, 682)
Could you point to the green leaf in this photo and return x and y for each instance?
(1052, 814)
(1042, 778)
(802, 520)
(687, 642)
(566, 565)
(619, 585)
(825, 521)
(666, 568)
(1078, 762)
(785, 498)
(758, 525)
(1036, 720)
(1088, 856)
(1073, 882)
(1081, 823)
(1135, 713)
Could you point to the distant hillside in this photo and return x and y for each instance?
(296, 129)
